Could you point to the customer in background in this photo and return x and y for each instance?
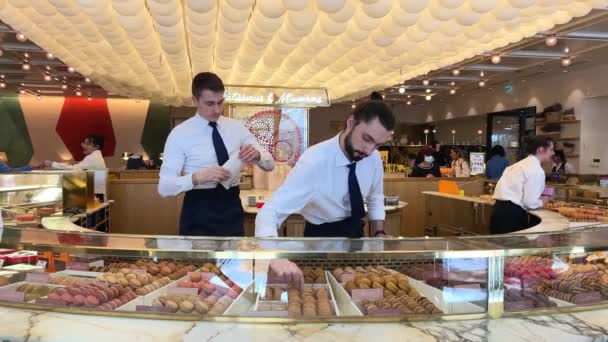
(427, 166)
(376, 96)
(497, 163)
(560, 164)
(93, 159)
(520, 188)
(460, 167)
(440, 157)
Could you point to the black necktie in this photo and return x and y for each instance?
(356, 199)
(218, 144)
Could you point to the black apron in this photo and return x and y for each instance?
(347, 228)
(212, 212)
(508, 217)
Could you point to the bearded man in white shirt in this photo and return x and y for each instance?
(329, 182)
(195, 158)
(520, 188)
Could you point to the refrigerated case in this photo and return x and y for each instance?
(510, 129)
(344, 280)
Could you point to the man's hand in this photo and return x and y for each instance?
(37, 165)
(430, 176)
(210, 174)
(287, 272)
(249, 154)
(48, 163)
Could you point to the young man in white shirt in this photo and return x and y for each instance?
(192, 163)
(93, 159)
(331, 179)
(520, 188)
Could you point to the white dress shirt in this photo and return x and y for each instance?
(189, 148)
(522, 183)
(317, 188)
(93, 161)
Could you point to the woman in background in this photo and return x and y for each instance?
(426, 167)
(460, 167)
(497, 163)
(93, 159)
(560, 164)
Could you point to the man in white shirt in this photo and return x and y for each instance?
(330, 180)
(520, 188)
(192, 163)
(93, 159)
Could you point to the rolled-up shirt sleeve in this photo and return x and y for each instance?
(172, 182)
(375, 198)
(266, 162)
(534, 185)
(291, 197)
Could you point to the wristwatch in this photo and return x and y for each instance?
(379, 232)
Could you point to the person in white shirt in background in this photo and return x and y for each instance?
(329, 182)
(460, 167)
(560, 164)
(194, 154)
(520, 188)
(93, 159)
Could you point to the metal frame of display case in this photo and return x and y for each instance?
(494, 248)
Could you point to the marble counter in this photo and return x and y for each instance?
(21, 325)
(266, 194)
(550, 220)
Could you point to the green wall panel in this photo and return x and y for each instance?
(14, 135)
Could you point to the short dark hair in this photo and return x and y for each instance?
(206, 80)
(369, 110)
(536, 142)
(375, 95)
(498, 150)
(96, 140)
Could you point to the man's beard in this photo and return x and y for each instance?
(350, 150)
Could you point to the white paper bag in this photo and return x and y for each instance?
(235, 165)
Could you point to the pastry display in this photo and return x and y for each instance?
(314, 275)
(33, 291)
(518, 299)
(579, 213)
(140, 282)
(207, 288)
(405, 305)
(93, 295)
(528, 270)
(168, 269)
(275, 293)
(211, 305)
(308, 302)
(68, 281)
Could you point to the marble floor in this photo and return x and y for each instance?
(20, 325)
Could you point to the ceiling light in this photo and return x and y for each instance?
(434, 131)
(2, 76)
(21, 37)
(352, 106)
(383, 96)
(551, 40)
(71, 70)
(78, 93)
(89, 98)
(2, 85)
(426, 131)
(428, 97)
(456, 72)
(38, 97)
(26, 66)
(428, 91)
(48, 68)
(26, 55)
(566, 61)
(452, 91)
(425, 82)
(137, 100)
(453, 131)
(482, 74)
(64, 86)
(482, 83)
(409, 96)
(452, 83)
(49, 55)
(496, 59)
(48, 78)
(88, 80)
(566, 50)
(22, 92)
(409, 103)
(480, 132)
(401, 90)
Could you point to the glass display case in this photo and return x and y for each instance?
(27, 197)
(341, 280)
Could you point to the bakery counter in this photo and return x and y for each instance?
(294, 225)
(27, 325)
(472, 213)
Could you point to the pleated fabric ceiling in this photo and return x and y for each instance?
(151, 49)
